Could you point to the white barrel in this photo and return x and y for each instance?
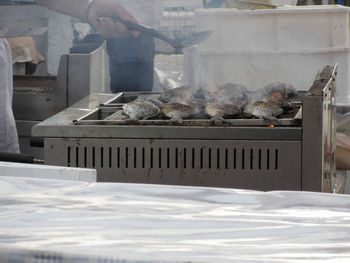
(258, 47)
(255, 69)
(284, 28)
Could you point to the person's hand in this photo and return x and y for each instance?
(24, 50)
(99, 17)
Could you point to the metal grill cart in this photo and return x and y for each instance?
(293, 153)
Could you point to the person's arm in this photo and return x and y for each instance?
(76, 8)
(94, 12)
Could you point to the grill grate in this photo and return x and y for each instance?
(34, 84)
(33, 90)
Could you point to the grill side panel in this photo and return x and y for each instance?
(260, 165)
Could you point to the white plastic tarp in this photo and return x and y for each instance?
(45, 220)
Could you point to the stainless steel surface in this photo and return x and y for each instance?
(257, 164)
(37, 98)
(289, 155)
(87, 73)
(318, 135)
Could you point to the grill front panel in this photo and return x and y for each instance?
(260, 165)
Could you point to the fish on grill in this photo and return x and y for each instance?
(177, 112)
(230, 93)
(279, 99)
(286, 89)
(141, 110)
(199, 108)
(231, 89)
(201, 93)
(221, 111)
(263, 110)
(153, 98)
(277, 93)
(182, 95)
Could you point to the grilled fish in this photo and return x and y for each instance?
(181, 95)
(201, 93)
(286, 89)
(231, 93)
(153, 98)
(221, 111)
(277, 93)
(177, 112)
(141, 110)
(198, 106)
(263, 110)
(279, 99)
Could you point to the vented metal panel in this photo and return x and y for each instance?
(37, 98)
(34, 84)
(261, 165)
(34, 90)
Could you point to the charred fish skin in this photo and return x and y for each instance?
(157, 103)
(291, 90)
(177, 112)
(231, 93)
(222, 111)
(140, 110)
(151, 98)
(181, 95)
(263, 110)
(198, 106)
(277, 93)
(201, 93)
(288, 90)
(279, 99)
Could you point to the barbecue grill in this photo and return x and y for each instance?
(292, 153)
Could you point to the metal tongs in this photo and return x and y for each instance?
(178, 43)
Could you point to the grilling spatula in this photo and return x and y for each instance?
(178, 43)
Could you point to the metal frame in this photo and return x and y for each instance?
(319, 126)
(37, 98)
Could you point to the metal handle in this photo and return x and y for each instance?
(146, 30)
(133, 26)
(16, 157)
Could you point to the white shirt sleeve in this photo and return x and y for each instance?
(8, 131)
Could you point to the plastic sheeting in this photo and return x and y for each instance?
(62, 221)
(47, 172)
